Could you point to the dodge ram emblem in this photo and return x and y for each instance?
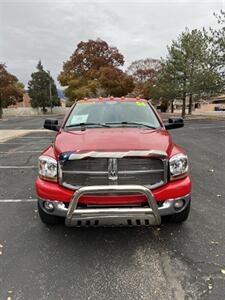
(112, 170)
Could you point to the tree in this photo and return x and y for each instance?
(114, 81)
(53, 93)
(42, 89)
(216, 38)
(165, 88)
(187, 68)
(144, 73)
(11, 90)
(93, 70)
(144, 70)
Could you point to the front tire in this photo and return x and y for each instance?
(48, 219)
(181, 216)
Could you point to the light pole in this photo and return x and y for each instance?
(50, 90)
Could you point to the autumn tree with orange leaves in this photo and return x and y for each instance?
(11, 90)
(144, 73)
(94, 70)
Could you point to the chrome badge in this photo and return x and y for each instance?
(112, 170)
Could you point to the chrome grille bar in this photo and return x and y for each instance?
(150, 171)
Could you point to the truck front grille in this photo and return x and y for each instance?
(150, 172)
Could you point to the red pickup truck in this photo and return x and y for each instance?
(113, 163)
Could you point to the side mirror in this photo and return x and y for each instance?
(174, 123)
(51, 125)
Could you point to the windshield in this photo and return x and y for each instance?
(113, 113)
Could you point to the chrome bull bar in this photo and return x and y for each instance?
(113, 216)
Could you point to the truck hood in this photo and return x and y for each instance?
(113, 139)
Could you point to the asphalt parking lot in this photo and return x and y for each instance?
(170, 262)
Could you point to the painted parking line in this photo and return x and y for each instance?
(15, 152)
(21, 143)
(205, 127)
(17, 200)
(35, 137)
(18, 167)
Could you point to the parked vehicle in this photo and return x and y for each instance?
(219, 108)
(113, 162)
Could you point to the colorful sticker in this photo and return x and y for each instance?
(140, 103)
(79, 119)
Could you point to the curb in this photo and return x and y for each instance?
(6, 135)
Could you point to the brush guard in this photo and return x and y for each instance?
(130, 216)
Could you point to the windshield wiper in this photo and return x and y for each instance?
(132, 123)
(87, 124)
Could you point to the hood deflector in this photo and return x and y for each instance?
(114, 154)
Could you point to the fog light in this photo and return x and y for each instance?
(179, 204)
(48, 206)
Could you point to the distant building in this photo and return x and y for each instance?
(62, 97)
(26, 100)
(63, 102)
(216, 103)
(24, 103)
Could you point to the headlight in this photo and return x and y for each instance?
(178, 166)
(47, 168)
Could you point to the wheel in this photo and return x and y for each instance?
(180, 217)
(47, 218)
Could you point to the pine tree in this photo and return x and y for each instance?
(42, 89)
(187, 68)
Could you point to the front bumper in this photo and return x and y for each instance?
(54, 191)
(108, 216)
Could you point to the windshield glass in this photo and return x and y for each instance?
(116, 113)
